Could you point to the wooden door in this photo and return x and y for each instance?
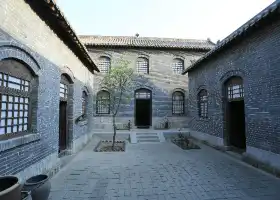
(62, 125)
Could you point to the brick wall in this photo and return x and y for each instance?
(256, 59)
(161, 80)
(25, 37)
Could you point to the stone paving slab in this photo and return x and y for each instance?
(161, 171)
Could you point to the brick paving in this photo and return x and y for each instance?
(161, 171)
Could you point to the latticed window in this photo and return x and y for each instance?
(143, 94)
(14, 97)
(104, 64)
(178, 66)
(103, 102)
(203, 104)
(84, 103)
(63, 90)
(142, 66)
(235, 89)
(178, 103)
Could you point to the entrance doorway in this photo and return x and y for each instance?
(62, 126)
(235, 113)
(143, 108)
(63, 139)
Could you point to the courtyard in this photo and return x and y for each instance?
(161, 171)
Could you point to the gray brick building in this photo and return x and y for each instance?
(46, 86)
(158, 64)
(234, 90)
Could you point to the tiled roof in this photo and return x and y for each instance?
(49, 12)
(146, 42)
(239, 33)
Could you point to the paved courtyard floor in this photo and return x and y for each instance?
(161, 171)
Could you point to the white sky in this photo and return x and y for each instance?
(198, 19)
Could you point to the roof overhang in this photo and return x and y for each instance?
(48, 11)
(262, 18)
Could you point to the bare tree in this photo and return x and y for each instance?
(119, 82)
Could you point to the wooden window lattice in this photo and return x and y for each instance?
(178, 103)
(14, 109)
(178, 66)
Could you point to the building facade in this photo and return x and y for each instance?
(235, 90)
(46, 86)
(161, 89)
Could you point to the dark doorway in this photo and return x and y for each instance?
(62, 126)
(143, 108)
(235, 114)
(237, 135)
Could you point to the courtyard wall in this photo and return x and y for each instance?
(161, 81)
(256, 59)
(25, 37)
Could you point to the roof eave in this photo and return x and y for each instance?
(49, 12)
(148, 47)
(237, 34)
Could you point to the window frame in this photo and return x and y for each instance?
(18, 70)
(107, 65)
(140, 70)
(234, 84)
(102, 99)
(182, 110)
(175, 67)
(203, 104)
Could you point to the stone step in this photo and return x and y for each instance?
(148, 140)
(147, 136)
(144, 134)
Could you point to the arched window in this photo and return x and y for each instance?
(15, 91)
(104, 64)
(178, 66)
(103, 102)
(142, 66)
(178, 103)
(84, 103)
(203, 104)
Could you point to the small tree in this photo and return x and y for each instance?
(119, 82)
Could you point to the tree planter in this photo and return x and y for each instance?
(106, 146)
(39, 186)
(9, 188)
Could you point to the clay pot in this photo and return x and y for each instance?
(9, 188)
(39, 186)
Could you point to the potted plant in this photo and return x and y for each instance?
(9, 188)
(39, 186)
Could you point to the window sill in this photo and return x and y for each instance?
(103, 115)
(203, 119)
(83, 122)
(18, 141)
(178, 115)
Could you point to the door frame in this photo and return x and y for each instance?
(226, 111)
(151, 102)
(66, 126)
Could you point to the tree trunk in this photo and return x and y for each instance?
(115, 131)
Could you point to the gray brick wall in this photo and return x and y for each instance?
(46, 113)
(256, 59)
(161, 80)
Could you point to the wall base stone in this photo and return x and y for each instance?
(47, 165)
(81, 142)
(210, 139)
(266, 160)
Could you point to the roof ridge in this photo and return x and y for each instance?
(145, 37)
